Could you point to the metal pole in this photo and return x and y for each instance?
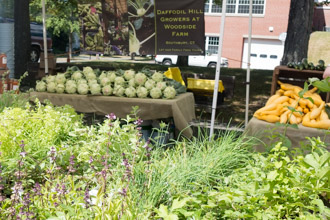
(248, 67)
(45, 36)
(217, 73)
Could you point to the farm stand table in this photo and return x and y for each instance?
(263, 130)
(182, 108)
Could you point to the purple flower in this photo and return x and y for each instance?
(12, 211)
(91, 160)
(19, 174)
(71, 160)
(146, 144)
(111, 116)
(23, 154)
(52, 154)
(138, 122)
(128, 172)
(20, 163)
(71, 166)
(72, 170)
(123, 192)
(26, 201)
(63, 189)
(87, 197)
(17, 189)
(22, 144)
(37, 189)
(57, 188)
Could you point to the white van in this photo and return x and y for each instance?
(203, 61)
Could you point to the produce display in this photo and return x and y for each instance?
(286, 106)
(121, 83)
(305, 65)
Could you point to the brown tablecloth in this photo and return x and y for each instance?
(264, 131)
(182, 108)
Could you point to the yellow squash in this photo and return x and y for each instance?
(317, 111)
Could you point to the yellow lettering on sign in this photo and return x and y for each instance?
(195, 11)
(180, 34)
(171, 26)
(195, 19)
(171, 12)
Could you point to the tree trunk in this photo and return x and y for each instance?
(299, 30)
(22, 38)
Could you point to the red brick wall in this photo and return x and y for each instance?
(276, 15)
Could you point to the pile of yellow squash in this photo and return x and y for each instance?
(305, 112)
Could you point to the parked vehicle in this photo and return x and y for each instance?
(37, 42)
(203, 61)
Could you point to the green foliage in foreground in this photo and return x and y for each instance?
(271, 187)
(12, 98)
(54, 167)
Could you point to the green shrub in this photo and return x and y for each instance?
(271, 187)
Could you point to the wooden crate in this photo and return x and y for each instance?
(295, 77)
(51, 61)
(203, 91)
(4, 86)
(203, 85)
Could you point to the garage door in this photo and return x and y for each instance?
(265, 54)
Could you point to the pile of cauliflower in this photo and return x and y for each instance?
(121, 83)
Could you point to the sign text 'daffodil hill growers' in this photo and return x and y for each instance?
(166, 27)
(179, 27)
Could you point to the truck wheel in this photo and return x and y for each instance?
(167, 62)
(212, 65)
(34, 54)
(133, 55)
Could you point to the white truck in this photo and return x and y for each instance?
(203, 61)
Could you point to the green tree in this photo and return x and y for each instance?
(7, 8)
(299, 30)
(61, 16)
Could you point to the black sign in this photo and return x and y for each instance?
(166, 27)
(179, 27)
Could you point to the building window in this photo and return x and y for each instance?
(273, 57)
(216, 8)
(207, 6)
(253, 55)
(235, 6)
(212, 45)
(231, 6)
(263, 56)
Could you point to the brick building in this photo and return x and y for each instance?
(269, 22)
